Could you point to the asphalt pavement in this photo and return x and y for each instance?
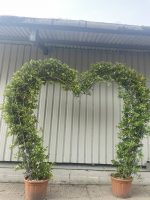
(15, 191)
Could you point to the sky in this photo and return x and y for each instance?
(133, 12)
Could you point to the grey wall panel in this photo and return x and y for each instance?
(75, 130)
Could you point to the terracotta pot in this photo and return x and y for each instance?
(35, 190)
(121, 187)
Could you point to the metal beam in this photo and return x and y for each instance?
(45, 44)
(94, 45)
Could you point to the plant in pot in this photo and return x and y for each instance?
(127, 167)
(22, 124)
(134, 123)
(133, 127)
(38, 171)
(20, 101)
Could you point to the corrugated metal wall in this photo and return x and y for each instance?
(76, 130)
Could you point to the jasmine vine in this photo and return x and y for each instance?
(18, 111)
(135, 114)
(21, 100)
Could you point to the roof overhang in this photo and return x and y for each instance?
(58, 32)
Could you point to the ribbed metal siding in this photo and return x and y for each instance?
(76, 130)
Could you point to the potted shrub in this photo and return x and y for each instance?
(134, 123)
(37, 174)
(19, 115)
(127, 166)
(133, 127)
(18, 110)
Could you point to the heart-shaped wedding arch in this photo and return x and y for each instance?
(21, 100)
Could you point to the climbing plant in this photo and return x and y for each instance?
(21, 100)
(135, 114)
(18, 110)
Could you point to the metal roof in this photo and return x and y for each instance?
(49, 32)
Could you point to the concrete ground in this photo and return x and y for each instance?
(15, 191)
